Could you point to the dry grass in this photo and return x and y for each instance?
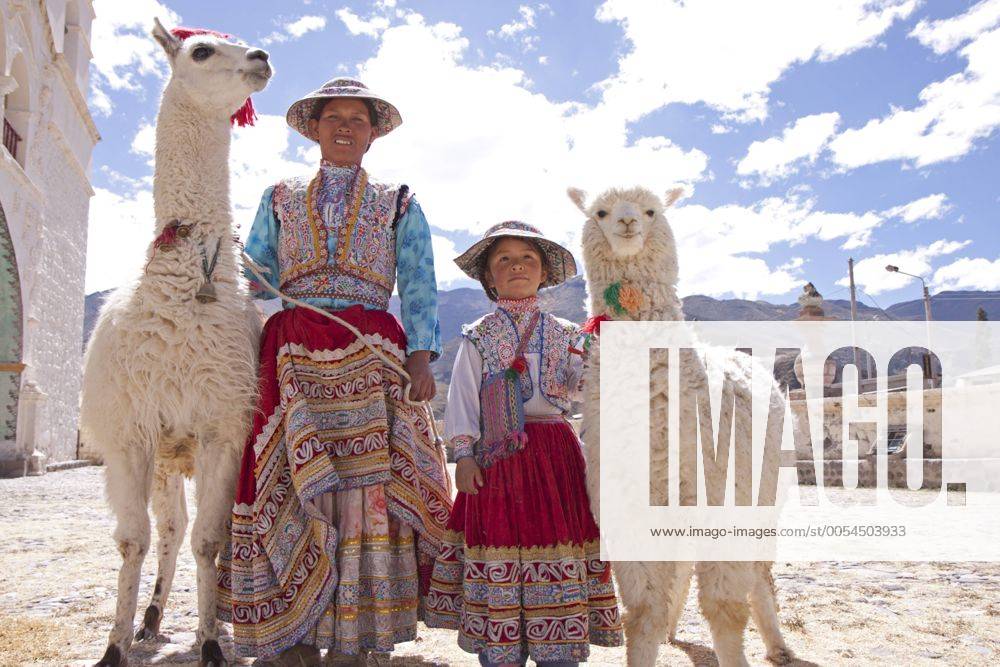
(26, 640)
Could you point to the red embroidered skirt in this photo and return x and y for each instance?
(342, 496)
(520, 572)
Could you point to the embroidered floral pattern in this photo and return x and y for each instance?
(495, 336)
(339, 201)
(624, 298)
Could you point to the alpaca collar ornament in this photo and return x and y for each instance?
(623, 298)
(206, 293)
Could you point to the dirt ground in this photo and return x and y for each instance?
(58, 568)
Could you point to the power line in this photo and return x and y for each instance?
(884, 311)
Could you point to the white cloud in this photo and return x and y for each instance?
(124, 52)
(356, 25)
(717, 246)
(931, 207)
(295, 29)
(968, 273)
(525, 22)
(519, 28)
(719, 128)
(144, 142)
(953, 113)
(512, 153)
(120, 230)
(446, 271)
(778, 157)
(947, 34)
(250, 175)
(871, 275)
(305, 24)
(684, 52)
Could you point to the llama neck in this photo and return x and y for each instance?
(659, 291)
(191, 180)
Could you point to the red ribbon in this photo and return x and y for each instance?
(593, 324)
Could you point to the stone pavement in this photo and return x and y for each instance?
(58, 571)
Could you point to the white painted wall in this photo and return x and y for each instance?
(46, 204)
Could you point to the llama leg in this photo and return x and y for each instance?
(216, 471)
(645, 589)
(128, 476)
(764, 609)
(723, 589)
(678, 598)
(170, 511)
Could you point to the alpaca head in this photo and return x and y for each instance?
(216, 74)
(626, 223)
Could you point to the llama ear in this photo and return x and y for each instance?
(672, 196)
(579, 197)
(169, 43)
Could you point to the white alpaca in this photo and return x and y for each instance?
(170, 379)
(627, 240)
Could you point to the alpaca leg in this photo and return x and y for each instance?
(216, 471)
(764, 609)
(678, 598)
(170, 511)
(128, 476)
(645, 589)
(723, 589)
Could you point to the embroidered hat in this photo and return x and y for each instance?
(387, 116)
(561, 265)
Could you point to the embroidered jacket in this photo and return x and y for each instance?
(488, 347)
(333, 244)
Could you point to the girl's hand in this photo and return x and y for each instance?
(422, 387)
(468, 475)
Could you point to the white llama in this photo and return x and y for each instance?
(628, 246)
(170, 371)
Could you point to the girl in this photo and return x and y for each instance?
(519, 574)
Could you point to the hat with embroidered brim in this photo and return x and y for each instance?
(387, 116)
(561, 265)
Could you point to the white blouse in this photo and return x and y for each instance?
(461, 425)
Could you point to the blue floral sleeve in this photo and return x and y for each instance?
(262, 247)
(416, 282)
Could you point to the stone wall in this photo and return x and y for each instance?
(45, 194)
(929, 440)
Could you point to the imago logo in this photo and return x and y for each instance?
(806, 438)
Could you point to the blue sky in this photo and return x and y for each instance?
(805, 133)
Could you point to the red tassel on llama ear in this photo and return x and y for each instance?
(245, 115)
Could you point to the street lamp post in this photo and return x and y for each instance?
(927, 314)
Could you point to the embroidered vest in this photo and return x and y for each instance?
(495, 337)
(362, 267)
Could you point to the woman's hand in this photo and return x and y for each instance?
(468, 475)
(418, 365)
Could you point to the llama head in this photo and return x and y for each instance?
(216, 73)
(625, 223)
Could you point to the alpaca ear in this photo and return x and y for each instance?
(578, 197)
(672, 196)
(169, 43)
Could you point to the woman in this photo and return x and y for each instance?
(343, 494)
